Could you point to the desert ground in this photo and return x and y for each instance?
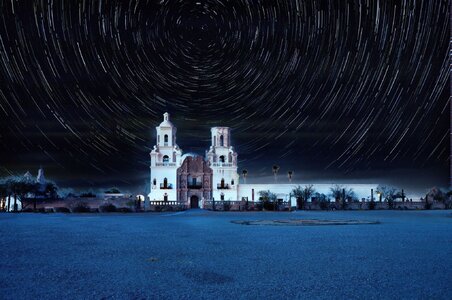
(200, 254)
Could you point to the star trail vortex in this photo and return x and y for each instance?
(326, 88)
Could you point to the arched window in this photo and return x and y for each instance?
(221, 140)
(222, 183)
(165, 139)
(222, 159)
(154, 182)
(165, 197)
(232, 182)
(165, 183)
(165, 159)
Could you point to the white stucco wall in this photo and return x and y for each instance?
(283, 190)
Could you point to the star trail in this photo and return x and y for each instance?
(329, 89)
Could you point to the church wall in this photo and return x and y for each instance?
(159, 173)
(283, 190)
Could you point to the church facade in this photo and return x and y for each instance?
(191, 178)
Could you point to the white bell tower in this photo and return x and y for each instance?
(223, 161)
(165, 159)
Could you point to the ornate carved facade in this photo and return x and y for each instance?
(194, 180)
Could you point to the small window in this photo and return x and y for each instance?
(232, 182)
(166, 138)
(165, 183)
(222, 159)
(166, 159)
(221, 141)
(154, 182)
(222, 196)
(165, 197)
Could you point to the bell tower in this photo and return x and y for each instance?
(223, 160)
(165, 159)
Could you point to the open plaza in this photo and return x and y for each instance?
(201, 254)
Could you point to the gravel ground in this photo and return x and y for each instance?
(202, 255)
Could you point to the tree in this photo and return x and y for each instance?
(268, 198)
(113, 190)
(322, 199)
(298, 194)
(388, 193)
(342, 194)
(3, 193)
(275, 169)
(303, 194)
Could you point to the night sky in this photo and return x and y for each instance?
(350, 91)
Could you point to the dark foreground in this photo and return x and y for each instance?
(201, 254)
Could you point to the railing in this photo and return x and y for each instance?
(166, 203)
(222, 165)
(165, 164)
(194, 186)
(223, 187)
(168, 187)
(226, 205)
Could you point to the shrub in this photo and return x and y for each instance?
(107, 208)
(62, 210)
(27, 210)
(124, 210)
(81, 208)
(323, 205)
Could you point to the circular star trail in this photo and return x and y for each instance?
(326, 88)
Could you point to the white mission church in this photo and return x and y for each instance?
(191, 179)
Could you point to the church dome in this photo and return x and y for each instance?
(191, 154)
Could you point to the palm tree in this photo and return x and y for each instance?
(245, 174)
(290, 174)
(275, 171)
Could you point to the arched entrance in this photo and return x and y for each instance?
(194, 201)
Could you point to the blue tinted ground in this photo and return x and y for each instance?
(202, 255)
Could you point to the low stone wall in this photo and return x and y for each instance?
(73, 203)
(240, 206)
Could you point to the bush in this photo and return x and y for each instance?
(124, 210)
(324, 205)
(27, 210)
(107, 208)
(81, 208)
(62, 210)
